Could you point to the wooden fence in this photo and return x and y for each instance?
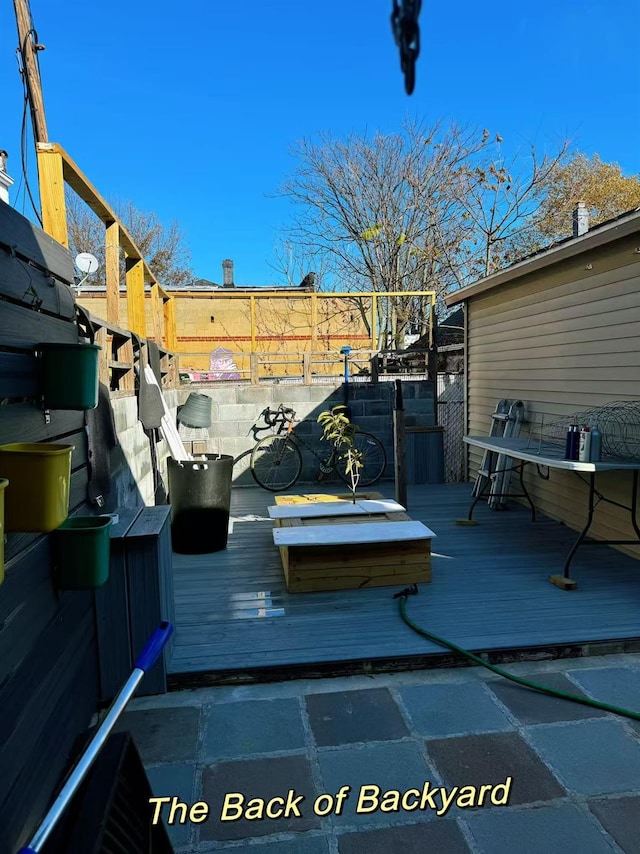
(306, 367)
(123, 354)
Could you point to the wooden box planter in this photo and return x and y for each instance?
(352, 550)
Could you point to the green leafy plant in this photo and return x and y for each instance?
(340, 432)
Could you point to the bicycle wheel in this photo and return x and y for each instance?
(276, 463)
(373, 456)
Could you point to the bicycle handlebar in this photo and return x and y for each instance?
(271, 415)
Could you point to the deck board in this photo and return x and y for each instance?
(489, 592)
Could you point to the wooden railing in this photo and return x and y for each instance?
(122, 354)
(56, 169)
(307, 367)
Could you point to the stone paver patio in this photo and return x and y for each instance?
(575, 771)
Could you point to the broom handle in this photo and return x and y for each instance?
(144, 662)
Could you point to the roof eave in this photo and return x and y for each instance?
(576, 246)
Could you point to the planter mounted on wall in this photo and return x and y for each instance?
(69, 375)
(82, 552)
(37, 496)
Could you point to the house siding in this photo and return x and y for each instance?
(560, 340)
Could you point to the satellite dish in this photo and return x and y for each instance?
(87, 263)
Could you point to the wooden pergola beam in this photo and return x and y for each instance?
(56, 169)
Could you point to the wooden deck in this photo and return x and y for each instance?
(489, 593)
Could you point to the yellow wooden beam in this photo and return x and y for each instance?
(54, 210)
(252, 311)
(171, 337)
(314, 322)
(134, 275)
(374, 322)
(156, 315)
(289, 293)
(112, 271)
(83, 187)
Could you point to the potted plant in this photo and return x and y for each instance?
(339, 431)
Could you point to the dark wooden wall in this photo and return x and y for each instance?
(48, 659)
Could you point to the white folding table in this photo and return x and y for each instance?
(544, 454)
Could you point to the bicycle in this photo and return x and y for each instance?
(276, 460)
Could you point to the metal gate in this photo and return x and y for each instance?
(450, 395)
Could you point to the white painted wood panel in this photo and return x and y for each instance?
(314, 510)
(339, 535)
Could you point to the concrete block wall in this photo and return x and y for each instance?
(236, 409)
(132, 472)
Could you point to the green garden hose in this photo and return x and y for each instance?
(586, 701)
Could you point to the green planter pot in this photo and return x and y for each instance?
(82, 552)
(69, 375)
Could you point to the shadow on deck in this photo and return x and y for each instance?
(235, 620)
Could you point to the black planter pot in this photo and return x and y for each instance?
(200, 498)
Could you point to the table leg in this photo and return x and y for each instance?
(526, 494)
(479, 497)
(565, 581)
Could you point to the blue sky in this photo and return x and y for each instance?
(189, 109)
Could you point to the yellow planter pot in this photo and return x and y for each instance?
(37, 497)
(3, 484)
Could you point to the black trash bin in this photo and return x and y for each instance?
(200, 498)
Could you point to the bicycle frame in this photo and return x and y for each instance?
(281, 422)
(285, 424)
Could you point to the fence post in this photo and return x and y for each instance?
(112, 271)
(54, 211)
(134, 277)
(103, 356)
(156, 314)
(314, 322)
(169, 308)
(400, 472)
(306, 368)
(375, 367)
(254, 366)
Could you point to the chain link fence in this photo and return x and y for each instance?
(451, 417)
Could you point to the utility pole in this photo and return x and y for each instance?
(29, 48)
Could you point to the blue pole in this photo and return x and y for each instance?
(345, 352)
(144, 662)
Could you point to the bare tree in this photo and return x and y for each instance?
(292, 265)
(429, 208)
(163, 247)
(381, 212)
(499, 203)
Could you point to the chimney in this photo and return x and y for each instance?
(5, 180)
(580, 220)
(227, 273)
